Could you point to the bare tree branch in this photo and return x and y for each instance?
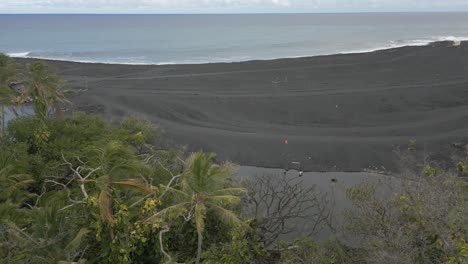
(65, 187)
(164, 230)
(280, 202)
(78, 173)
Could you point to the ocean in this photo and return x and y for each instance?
(188, 39)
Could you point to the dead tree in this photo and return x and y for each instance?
(278, 203)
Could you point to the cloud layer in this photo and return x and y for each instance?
(141, 3)
(229, 5)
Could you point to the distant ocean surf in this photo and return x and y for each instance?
(189, 39)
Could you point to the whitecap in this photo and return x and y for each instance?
(409, 43)
(19, 54)
(141, 60)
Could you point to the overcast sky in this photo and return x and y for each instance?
(226, 6)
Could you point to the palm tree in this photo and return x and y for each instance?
(7, 74)
(12, 185)
(202, 190)
(50, 237)
(45, 89)
(116, 169)
(13, 189)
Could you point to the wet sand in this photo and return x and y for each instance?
(338, 113)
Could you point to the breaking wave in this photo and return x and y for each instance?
(131, 59)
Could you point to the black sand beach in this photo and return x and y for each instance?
(338, 113)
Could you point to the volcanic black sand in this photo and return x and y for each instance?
(339, 112)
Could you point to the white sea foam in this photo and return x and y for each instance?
(203, 60)
(408, 43)
(19, 54)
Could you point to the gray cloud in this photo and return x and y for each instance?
(213, 5)
(142, 3)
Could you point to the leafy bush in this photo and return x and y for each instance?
(86, 194)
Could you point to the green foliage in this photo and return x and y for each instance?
(48, 238)
(203, 190)
(462, 168)
(7, 70)
(12, 181)
(86, 194)
(430, 171)
(363, 192)
(424, 221)
(73, 136)
(45, 89)
(308, 251)
(412, 145)
(8, 74)
(244, 247)
(139, 131)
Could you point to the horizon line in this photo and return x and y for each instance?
(245, 13)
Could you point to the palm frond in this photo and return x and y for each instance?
(6, 96)
(103, 182)
(136, 184)
(77, 240)
(230, 191)
(169, 212)
(224, 199)
(201, 174)
(15, 186)
(105, 207)
(10, 212)
(178, 193)
(227, 216)
(20, 234)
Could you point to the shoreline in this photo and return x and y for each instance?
(338, 112)
(416, 43)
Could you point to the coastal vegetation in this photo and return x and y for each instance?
(75, 188)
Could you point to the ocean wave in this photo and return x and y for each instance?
(407, 43)
(74, 58)
(141, 60)
(18, 54)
